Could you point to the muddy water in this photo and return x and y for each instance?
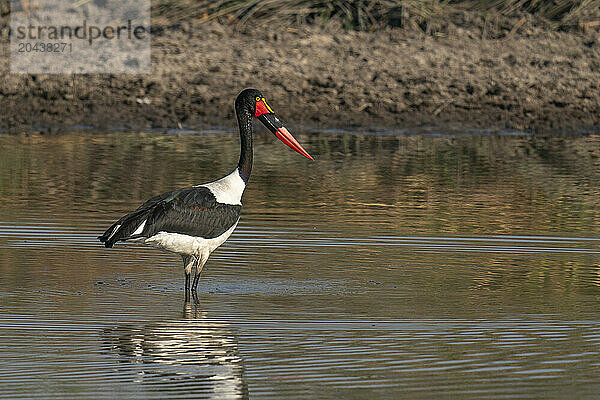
(415, 267)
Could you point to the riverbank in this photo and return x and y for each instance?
(524, 78)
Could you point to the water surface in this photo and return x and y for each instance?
(393, 266)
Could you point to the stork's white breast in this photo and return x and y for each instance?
(228, 190)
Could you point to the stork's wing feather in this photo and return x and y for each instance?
(192, 211)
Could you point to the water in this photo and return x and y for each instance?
(393, 266)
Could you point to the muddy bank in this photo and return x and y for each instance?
(533, 80)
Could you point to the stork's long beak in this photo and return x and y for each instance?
(270, 120)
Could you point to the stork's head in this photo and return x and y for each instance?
(255, 101)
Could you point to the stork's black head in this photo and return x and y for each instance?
(254, 101)
(247, 99)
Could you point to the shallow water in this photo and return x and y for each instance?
(393, 266)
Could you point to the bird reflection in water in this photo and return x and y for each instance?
(194, 357)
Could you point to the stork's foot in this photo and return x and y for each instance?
(187, 305)
(191, 310)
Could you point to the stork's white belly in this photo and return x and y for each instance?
(186, 244)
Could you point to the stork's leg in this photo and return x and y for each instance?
(196, 280)
(195, 298)
(200, 261)
(188, 262)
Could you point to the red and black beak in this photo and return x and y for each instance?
(266, 115)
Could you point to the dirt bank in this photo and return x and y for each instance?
(533, 79)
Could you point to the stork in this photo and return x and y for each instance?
(194, 221)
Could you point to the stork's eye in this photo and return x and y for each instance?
(257, 98)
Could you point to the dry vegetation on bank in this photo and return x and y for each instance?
(401, 65)
(428, 16)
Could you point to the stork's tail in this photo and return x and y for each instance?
(125, 228)
(108, 238)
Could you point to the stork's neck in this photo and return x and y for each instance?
(245, 124)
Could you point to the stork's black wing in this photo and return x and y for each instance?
(192, 211)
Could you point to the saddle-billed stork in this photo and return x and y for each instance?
(194, 221)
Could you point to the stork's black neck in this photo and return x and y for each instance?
(244, 117)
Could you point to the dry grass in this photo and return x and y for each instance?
(374, 14)
(361, 15)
